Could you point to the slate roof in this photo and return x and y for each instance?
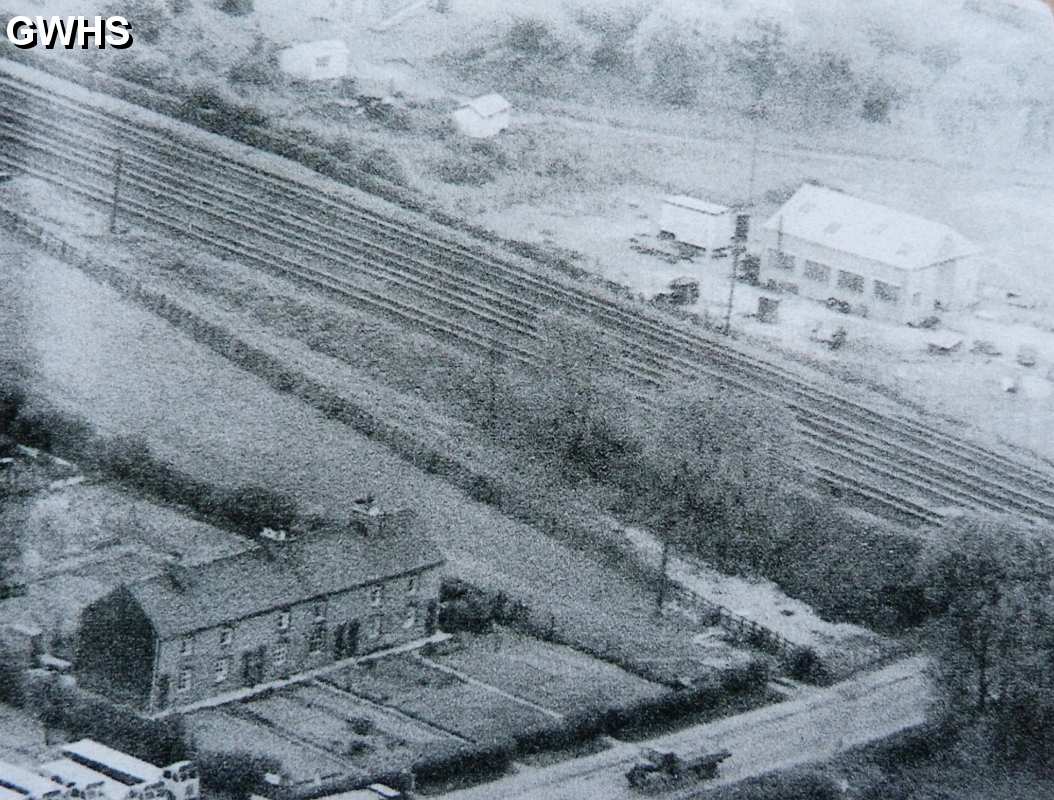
(696, 205)
(850, 225)
(327, 560)
(488, 105)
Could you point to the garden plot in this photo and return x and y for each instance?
(216, 730)
(359, 713)
(556, 677)
(468, 709)
(357, 742)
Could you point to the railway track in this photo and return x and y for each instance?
(485, 304)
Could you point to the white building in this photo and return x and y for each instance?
(315, 61)
(828, 245)
(483, 117)
(696, 222)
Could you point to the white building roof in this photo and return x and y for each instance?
(488, 105)
(684, 201)
(848, 224)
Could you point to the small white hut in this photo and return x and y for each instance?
(483, 117)
(315, 61)
(696, 222)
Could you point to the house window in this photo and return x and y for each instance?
(283, 620)
(321, 62)
(376, 593)
(281, 650)
(222, 668)
(887, 292)
(320, 610)
(781, 260)
(814, 271)
(183, 685)
(186, 647)
(226, 637)
(316, 641)
(916, 299)
(850, 281)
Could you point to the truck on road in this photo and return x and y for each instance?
(663, 770)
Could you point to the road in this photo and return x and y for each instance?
(811, 728)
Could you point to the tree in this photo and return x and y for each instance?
(572, 410)
(715, 464)
(988, 582)
(761, 59)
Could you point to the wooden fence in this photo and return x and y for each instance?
(698, 610)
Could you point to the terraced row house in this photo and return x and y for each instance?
(322, 592)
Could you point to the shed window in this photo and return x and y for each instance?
(411, 585)
(184, 681)
(222, 668)
(850, 281)
(186, 647)
(376, 594)
(814, 271)
(781, 260)
(226, 637)
(283, 620)
(887, 292)
(320, 610)
(411, 618)
(376, 627)
(321, 62)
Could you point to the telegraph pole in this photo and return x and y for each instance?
(117, 169)
(660, 597)
(756, 113)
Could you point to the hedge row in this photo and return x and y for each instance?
(580, 726)
(79, 715)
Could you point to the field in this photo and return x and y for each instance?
(214, 420)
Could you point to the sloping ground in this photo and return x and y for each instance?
(214, 420)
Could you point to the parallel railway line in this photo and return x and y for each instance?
(495, 305)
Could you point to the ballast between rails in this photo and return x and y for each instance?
(643, 353)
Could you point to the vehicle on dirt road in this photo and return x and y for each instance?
(663, 770)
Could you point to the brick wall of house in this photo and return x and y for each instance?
(310, 634)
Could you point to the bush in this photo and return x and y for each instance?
(529, 36)
(147, 18)
(12, 687)
(235, 774)
(237, 7)
(257, 69)
(463, 171)
(794, 785)
(80, 715)
(383, 164)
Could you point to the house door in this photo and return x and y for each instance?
(253, 666)
(163, 684)
(346, 640)
(432, 617)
